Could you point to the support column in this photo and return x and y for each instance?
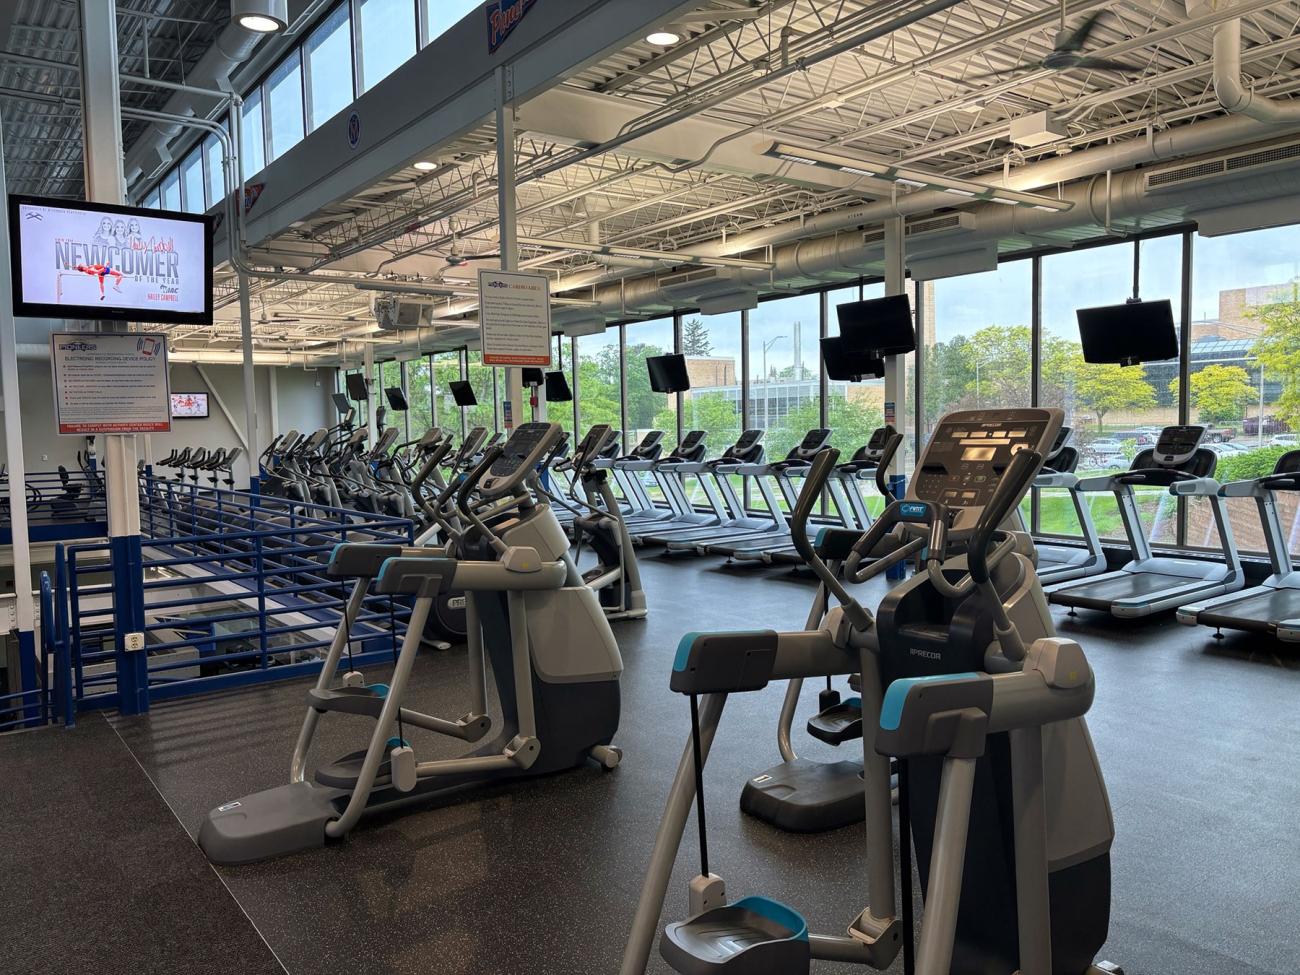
(23, 607)
(368, 372)
(896, 366)
(101, 116)
(512, 406)
(251, 439)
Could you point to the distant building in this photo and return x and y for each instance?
(1236, 305)
(710, 371)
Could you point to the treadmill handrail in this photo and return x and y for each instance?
(1068, 481)
(1099, 483)
(1201, 487)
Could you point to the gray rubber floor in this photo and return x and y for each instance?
(1200, 744)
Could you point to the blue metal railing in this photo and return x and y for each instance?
(60, 505)
(49, 698)
(235, 593)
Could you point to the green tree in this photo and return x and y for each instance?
(1278, 350)
(1105, 387)
(643, 403)
(1219, 393)
(1248, 464)
(695, 338)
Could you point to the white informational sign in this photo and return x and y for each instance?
(515, 318)
(110, 383)
(147, 268)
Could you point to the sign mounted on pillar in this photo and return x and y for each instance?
(515, 318)
(110, 383)
(503, 16)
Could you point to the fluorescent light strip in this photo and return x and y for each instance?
(956, 192)
(854, 170)
(904, 181)
(1004, 202)
(790, 157)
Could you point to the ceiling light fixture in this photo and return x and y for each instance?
(260, 16)
(664, 37)
(957, 192)
(424, 165)
(915, 184)
(856, 171)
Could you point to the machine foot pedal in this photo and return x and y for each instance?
(343, 773)
(754, 935)
(367, 701)
(806, 796)
(838, 724)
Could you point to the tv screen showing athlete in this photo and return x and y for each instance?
(102, 271)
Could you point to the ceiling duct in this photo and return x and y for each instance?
(575, 322)
(1228, 165)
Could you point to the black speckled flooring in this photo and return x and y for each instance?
(1200, 745)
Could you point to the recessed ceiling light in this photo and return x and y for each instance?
(856, 171)
(1004, 202)
(915, 183)
(1039, 206)
(424, 165)
(663, 38)
(791, 157)
(260, 16)
(956, 192)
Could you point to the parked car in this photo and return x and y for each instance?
(1226, 449)
(1272, 425)
(1286, 440)
(1106, 446)
(1220, 434)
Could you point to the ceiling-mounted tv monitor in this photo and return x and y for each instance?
(462, 392)
(189, 406)
(356, 386)
(847, 364)
(1136, 331)
(341, 402)
(557, 388)
(531, 376)
(879, 326)
(396, 399)
(100, 262)
(668, 373)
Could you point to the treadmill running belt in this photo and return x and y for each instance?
(1254, 613)
(1100, 593)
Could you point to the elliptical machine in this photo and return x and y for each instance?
(963, 682)
(558, 685)
(598, 520)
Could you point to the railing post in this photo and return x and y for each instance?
(261, 600)
(62, 656)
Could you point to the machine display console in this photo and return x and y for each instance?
(1176, 445)
(431, 436)
(691, 439)
(470, 444)
(591, 444)
(649, 442)
(968, 452)
(519, 455)
(814, 441)
(748, 439)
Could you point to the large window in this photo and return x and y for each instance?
(646, 409)
(387, 38)
(171, 191)
(711, 345)
(440, 15)
(483, 379)
(254, 136)
(419, 394)
(214, 180)
(1244, 383)
(192, 182)
(785, 370)
(284, 105)
(446, 369)
(329, 67)
(599, 388)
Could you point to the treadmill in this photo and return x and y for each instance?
(715, 478)
(668, 472)
(1059, 562)
(1149, 583)
(635, 502)
(796, 463)
(1272, 607)
(871, 460)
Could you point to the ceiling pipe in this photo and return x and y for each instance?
(1234, 96)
